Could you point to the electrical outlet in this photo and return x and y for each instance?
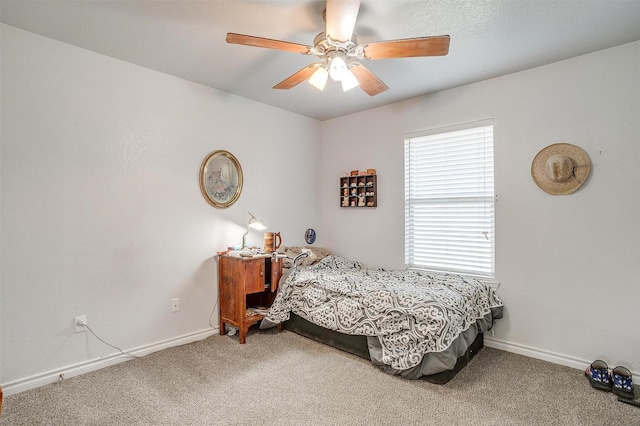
(78, 320)
(175, 305)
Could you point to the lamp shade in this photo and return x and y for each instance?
(257, 224)
(337, 68)
(319, 78)
(349, 81)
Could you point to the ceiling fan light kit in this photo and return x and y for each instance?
(340, 52)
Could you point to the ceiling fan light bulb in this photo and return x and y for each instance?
(337, 68)
(319, 78)
(349, 80)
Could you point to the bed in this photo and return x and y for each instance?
(410, 323)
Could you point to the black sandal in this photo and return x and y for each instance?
(622, 382)
(598, 375)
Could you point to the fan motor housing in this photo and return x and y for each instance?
(323, 45)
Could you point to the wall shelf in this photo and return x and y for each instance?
(359, 191)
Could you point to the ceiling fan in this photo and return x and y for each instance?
(338, 49)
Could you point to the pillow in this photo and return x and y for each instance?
(315, 254)
(339, 262)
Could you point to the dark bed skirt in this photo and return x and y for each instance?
(357, 345)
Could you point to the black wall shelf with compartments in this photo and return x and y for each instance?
(359, 191)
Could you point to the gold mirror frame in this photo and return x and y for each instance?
(220, 179)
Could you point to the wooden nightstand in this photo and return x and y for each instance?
(245, 282)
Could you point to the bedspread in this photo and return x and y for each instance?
(411, 312)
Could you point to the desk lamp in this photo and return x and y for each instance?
(254, 223)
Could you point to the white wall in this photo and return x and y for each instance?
(569, 266)
(101, 212)
(101, 209)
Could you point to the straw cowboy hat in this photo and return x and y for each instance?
(561, 168)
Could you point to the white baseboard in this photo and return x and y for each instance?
(568, 361)
(69, 371)
(53, 376)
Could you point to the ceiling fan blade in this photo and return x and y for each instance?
(341, 18)
(298, 77)
(371, 84)
(268, 43)
(406, 48)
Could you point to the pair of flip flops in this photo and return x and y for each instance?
(619, 381)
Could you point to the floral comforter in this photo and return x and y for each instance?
(411, 312)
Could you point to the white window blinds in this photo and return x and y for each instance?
(449, 201)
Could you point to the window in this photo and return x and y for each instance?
(449, 200)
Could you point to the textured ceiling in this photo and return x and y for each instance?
(187, 39)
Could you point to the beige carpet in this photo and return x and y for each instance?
(285, 379)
